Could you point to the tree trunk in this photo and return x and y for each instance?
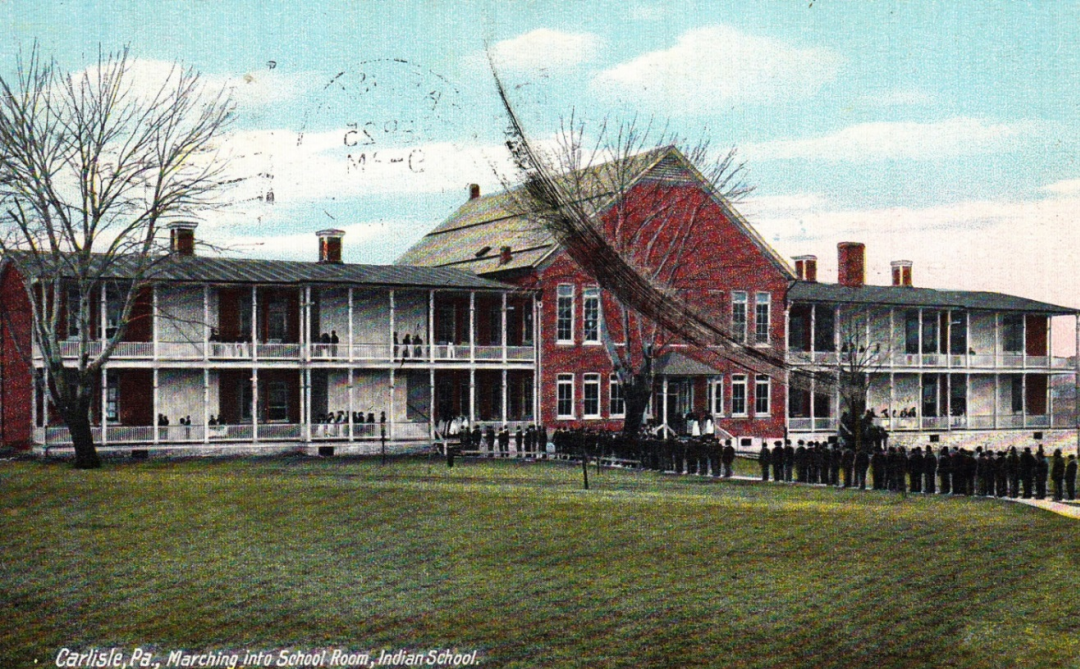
(78, 424)
(636, 396)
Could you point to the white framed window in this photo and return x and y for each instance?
(762, 387)
(590, 396)
(738, 395)
(762, 305)
(738, 316)
(590, 320)
(564, 314)
(564, 404)
(716, 397)
(617, 403)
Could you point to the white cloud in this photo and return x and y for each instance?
(546, 49)
(147, 77)
(890, 140)
(715, 66)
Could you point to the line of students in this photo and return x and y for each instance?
(954, 471)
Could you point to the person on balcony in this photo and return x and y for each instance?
(406, 344)
(418, 346)
(334, 341)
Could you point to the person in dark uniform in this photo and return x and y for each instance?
(777, 460)
(1012, 470)
(944, 467)
(862, 463)
(789, 461)
(879, 467)
(1027, 472)
(1002, 481)
(835, 464)
(519, 441)
(1057, 475)
(489, 437)
(800, 463)
(929, 467)
(915, 468)
(728, 458)
(1042, 470)
(847, 466)
(1070, 477)
(764, 457)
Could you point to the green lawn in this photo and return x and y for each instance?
(517, 561)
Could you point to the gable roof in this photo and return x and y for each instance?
(907, 296)
(474, 235)
(198, 269)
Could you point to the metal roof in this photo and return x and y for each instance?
(198, 269)
(474, 235)
(907, 296)
(674, 363)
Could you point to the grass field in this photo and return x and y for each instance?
(517, 561)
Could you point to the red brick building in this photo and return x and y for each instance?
(718, 263)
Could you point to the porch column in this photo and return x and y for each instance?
(472, 326)
(813, 395)
(255, 404)
(154, 398)
(472, 395)
(155, 334)
(104, 402)
(103, 314)
(206, 405)
(305, 330)
(254, 325)
(1076, 384)
(919, 402)
(430, 320)
(351, 342)
(206, 320)
(948, 399)
(503, 325)
(813, 330)
(431, 403)
(1023, 393)
(390, 411)
(305, 404)
(352, 406)
(920, 365)
(392, 332)
(664, 402)
(504, 403)
(997, 339)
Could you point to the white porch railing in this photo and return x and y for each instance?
(229, 350)
(489, 352)
(411, 431)
(268, 431)
(520, 353)
(180, 350)
(278, 351)
(372, 351)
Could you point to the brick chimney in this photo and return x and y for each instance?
(806, 268)
(505, 255)
(182, 238)
(901, 273)
(474, 191)
(852, 269)
(330, 246)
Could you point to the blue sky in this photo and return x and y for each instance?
(942, 132)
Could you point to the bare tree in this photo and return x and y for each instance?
(640, 250)
(859, 358)
(92, 165)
